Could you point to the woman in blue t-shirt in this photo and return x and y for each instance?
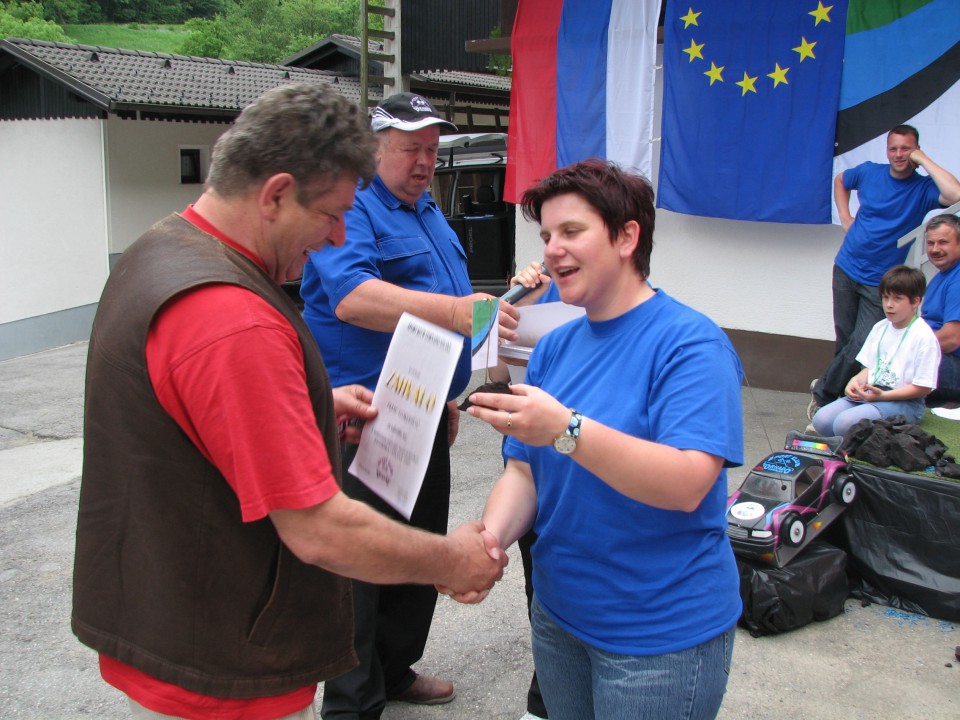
(617, 445)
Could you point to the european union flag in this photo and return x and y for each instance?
(751, 90)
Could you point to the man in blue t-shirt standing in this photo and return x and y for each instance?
(941, 306)
(893, 200)
(401, 255)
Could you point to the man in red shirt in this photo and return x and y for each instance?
(212, 531)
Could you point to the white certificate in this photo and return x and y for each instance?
(412, 389)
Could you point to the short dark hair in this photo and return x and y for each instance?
(309, 131)
(948, 219)
(903, 280)
(617, 196)
(905, 130)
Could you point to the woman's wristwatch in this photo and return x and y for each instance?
(566, 442)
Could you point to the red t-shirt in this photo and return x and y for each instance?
(228, 367)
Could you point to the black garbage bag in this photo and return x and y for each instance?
(893, 442)
(907, 453)
(855, 436)
(948, 467)
(875, 447)
(812, 587)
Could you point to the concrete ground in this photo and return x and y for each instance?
(870, 662)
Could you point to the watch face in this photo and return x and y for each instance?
(564, 444)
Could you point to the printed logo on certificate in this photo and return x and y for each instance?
(394, 450)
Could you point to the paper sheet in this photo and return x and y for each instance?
(395, 447)
(535, 322)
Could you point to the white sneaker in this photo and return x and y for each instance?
(813, 406)
(530, 716)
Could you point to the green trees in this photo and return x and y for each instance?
(27, 20)
(269, 30)
(253, 30)
(65, 12)
(70, 11)
(155, 11)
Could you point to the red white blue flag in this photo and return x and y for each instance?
(583, 86)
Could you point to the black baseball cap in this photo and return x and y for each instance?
(407, 112)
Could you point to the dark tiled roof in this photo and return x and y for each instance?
(350, 45)
(373, 45)
(116, 80)
(464, 77)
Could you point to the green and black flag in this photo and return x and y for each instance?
(901, 65)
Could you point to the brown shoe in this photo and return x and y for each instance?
(426, 690)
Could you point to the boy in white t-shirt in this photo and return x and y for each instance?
(901, 358)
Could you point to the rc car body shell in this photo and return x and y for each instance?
(786, 501)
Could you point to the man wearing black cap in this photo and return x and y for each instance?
(402, 256)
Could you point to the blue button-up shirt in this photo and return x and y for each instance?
(412, 247)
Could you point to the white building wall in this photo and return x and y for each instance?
(52, 217)
(74, 194)
(143, 173)
(763, 277)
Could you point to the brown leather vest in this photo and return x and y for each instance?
(168, 578)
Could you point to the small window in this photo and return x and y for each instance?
(191, 171)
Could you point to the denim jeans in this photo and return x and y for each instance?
(948, 381)
(841, 415)
(581, 682)
(856, 309)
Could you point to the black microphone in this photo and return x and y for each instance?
(519, 291)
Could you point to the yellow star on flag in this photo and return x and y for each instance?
(690, 18)
(805, 49)
(694, 50)
(747, 84)
(821, 13)
(779, 75)
(714, 73)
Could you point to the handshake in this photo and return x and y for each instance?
(478, 563)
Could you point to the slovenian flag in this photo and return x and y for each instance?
(583, 86)
(751, 89)
(901, 65)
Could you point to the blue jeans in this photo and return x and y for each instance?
(841, 415)
(856, 309)
(948, 381)
(581, 682)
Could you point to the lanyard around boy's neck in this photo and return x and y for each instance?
(902, 338)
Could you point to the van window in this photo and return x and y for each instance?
(468, 187)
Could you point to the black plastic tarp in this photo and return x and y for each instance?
(902, 537)
(812, 587)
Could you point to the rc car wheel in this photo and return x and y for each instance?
(844, 489)
(792, 530)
